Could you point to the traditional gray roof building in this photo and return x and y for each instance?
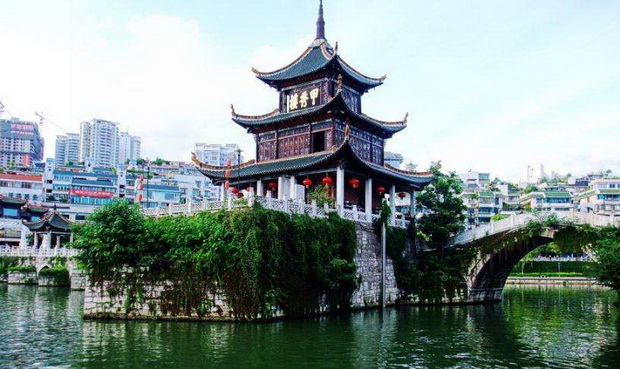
(317, 131)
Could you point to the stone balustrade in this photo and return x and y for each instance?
(290, 206)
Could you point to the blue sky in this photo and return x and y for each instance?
(489, 85)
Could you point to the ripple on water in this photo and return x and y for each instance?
(531, 328)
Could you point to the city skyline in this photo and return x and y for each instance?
(494, 90)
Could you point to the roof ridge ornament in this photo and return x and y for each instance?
(406, 117)
(339, 83)
(336, 49)
(232, 109)
(320, 23)
(347, 130)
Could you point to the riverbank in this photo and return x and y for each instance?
(554, 281)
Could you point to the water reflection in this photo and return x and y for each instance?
(532, 328)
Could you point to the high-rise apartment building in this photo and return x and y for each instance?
(21, 143)
(99, 140)
(216, 154)
(129, 147)
(68, 148)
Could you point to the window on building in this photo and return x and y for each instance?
(318, 141)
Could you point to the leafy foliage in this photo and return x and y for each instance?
(23, 268)
(321, 194)
(59, 273)
(446, 216)
(607, 250)
(260, 259)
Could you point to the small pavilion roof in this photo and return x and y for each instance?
(52, 221)
(337, 102)
(253, 170)
(319, 56)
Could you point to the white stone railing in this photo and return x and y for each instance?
(288, 206)
(516, 221)
(38, 252)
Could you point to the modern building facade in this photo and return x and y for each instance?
(99, 141)
(602, 197)
(67, 148)
(129, 148)
(558, 200)
(27, 187)
(393, 158)
(216, 154)
(21, 144)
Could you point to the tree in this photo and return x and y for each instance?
(446, 215)
(113, 236)
(530, 189)
(607, 266)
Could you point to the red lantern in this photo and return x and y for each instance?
(273, 185)
(307, 182)
(402, 195)
(140, 186)
(235, 190)
(139, 197)
(141, 177)
(327, 181)
(354, 182)
(240, 195)
(226, 185)
(381, 190)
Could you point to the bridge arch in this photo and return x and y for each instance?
(496, 258)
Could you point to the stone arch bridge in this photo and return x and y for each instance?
(501, 246)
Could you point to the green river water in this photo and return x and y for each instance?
(532, 327)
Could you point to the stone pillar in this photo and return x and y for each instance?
(292, 187)
(368, 199)
(57, 242)
(412, 204)
(222, 192)
(36, 239)
(260, 191)
(340, 187)
(281, 188)
(47, 240)
(393, 199)
(23, 241)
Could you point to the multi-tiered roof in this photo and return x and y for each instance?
(319, 123)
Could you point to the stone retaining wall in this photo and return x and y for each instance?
(99, 303)
(22, 278)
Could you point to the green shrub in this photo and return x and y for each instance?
(23, 268)
(59, 273)
(583, 268)
(260, 259)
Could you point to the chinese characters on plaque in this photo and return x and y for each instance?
(303, 98)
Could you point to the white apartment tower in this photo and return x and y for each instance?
(67, 148)
(99, 140)
(216, 154)
(129, 147)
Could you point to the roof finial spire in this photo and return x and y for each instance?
(320, 23)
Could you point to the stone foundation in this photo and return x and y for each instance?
(100, 303)
(22, 278)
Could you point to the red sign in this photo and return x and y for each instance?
(84, 193)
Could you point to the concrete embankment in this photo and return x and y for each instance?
(552, 281)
